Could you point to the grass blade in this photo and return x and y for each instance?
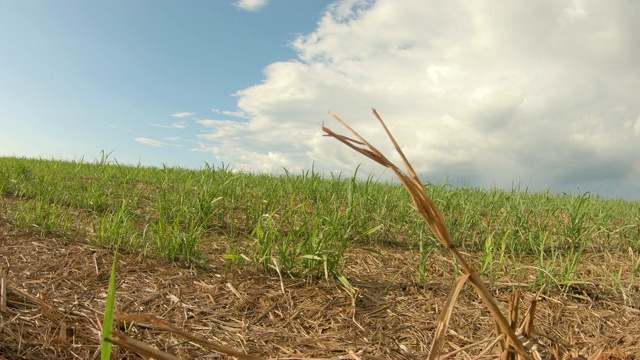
(107, 323)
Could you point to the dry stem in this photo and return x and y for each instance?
(431, 215)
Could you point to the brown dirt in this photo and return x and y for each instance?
(56, 290)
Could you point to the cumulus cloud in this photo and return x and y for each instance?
(251, 5)
(175, 125)
(150, 142)
(236, 114)
(182, 115)
(483, 92)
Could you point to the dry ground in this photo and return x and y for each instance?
(56, 290)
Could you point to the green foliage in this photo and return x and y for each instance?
(305, 223)
(109, 312)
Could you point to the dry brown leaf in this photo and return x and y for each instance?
(431, 214)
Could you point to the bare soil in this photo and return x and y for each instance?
(56, 290)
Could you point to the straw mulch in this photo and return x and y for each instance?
(55, 290)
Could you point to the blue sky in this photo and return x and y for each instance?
(491, 93)
(80, 77)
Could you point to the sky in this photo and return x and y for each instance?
(536, 94)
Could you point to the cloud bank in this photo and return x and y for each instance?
(486, 93)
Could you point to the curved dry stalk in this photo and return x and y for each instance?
(139, 347)
(445, 316)
(431, 214)
(158, 323)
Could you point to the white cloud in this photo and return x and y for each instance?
(182, 115)
(175, 125)
(149, 142)
(236, 114)
(251, 5)
(173, 138)
(486, 92)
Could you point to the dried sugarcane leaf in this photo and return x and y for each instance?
(528, 322)
(413, 174)
(139, 347)
(443, 322)
(153, 320)
(434, 218)
(513, 309)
